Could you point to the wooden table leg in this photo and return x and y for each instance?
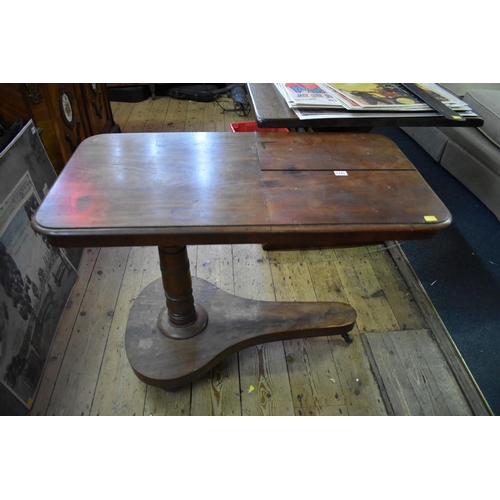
(171, 345)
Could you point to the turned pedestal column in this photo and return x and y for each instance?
(181, 318)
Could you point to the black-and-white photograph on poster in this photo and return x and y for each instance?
(36, 280)
(34, 277)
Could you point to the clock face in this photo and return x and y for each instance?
(66, 106)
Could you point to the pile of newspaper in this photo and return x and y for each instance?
(322, 100)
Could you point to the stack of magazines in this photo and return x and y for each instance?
(321, 100)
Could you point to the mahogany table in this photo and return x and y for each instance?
(176, 189)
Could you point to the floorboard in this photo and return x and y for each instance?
(393, 367)
(414, 374)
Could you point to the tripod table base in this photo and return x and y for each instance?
(234, 323)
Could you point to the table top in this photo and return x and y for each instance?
(271, 110)
(180, 188)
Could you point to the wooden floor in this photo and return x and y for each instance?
(400, 363)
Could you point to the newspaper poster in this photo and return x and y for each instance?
(35, 281)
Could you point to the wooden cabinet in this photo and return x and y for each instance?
(67, 113)
(95, 95)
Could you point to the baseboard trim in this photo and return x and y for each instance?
(464, 377)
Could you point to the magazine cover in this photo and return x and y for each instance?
(310, 94)
(379, 95)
